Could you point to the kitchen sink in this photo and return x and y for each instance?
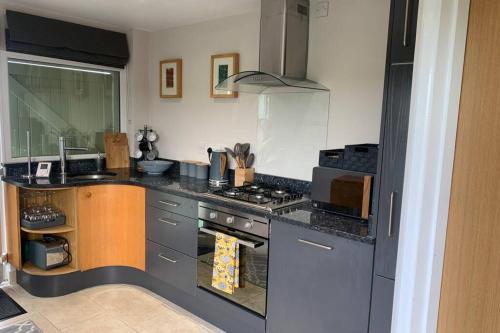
(92, 175)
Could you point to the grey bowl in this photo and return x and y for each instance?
(157, 167)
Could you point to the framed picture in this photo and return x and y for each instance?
(223, 66)
(171, 78)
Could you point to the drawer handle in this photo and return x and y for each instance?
(169, 203)
(324, 247)
(391, 208)
(161, 256)
(167, 222)
(405, 32)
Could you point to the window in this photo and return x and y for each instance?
(53, 100)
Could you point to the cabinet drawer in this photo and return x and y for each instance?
(172, 203)
(172, 230)
(171, 267)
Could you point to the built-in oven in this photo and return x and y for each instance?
(252, 233)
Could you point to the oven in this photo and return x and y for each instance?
(252, 233)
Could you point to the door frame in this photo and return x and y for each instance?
(437, 79)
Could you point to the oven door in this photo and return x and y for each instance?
(252, 291)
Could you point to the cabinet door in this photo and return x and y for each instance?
(393, 166)
(13, 237)
(111, 222)
(404, 30)
(316, 289)
(381, 310)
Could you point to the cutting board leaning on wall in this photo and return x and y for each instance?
(116, 148)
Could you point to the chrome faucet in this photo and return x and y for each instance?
(62, 153)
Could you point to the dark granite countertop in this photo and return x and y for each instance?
(303, 215)
(308, 217)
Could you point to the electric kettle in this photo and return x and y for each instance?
(219, 173)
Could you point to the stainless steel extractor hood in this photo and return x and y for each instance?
(284, 38)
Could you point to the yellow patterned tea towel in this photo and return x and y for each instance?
(226, 271)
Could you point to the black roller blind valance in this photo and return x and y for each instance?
(64, 40)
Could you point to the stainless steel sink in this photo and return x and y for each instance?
(93, 175)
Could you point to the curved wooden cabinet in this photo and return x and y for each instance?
(111, 226)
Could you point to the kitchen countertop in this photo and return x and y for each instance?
(302, 215)
(308, 217)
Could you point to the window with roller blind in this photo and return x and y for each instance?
(53, 98)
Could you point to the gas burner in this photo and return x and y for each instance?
(260, 196)
(231, 192)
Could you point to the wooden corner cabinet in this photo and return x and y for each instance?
(17, 199)
(105, 226)
(112, 226)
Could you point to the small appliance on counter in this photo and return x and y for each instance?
(49, 252)
(342, 191)
(219, 171)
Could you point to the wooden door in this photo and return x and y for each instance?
(470, 296)
(111, 226)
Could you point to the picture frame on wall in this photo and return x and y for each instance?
(171, 78)
(223, 66)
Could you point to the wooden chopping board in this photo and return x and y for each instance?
(116, 148)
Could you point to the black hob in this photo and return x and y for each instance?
(260, 196)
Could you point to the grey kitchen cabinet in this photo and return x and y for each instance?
(172, 203)
(317, 282)
(392, 169)
(381, 309)
(172, 230)
(172, 267)
(403, 30)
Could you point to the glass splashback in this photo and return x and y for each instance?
(292, 129)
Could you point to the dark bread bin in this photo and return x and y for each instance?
(361, 157)
(332, 158)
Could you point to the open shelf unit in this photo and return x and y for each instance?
(33, 270)
(65, 200)
(51, 230)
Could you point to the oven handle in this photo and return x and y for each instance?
(252, 245)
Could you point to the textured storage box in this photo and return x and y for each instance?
(361, 157)
(332, 158)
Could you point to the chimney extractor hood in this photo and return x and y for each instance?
(284, 38)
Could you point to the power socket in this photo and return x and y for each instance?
(321, 8)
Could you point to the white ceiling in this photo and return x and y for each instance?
(149, 15)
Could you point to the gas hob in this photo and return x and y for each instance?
(259, 196)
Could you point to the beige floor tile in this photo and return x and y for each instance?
(102, 323)
(107, 308)
(172, 323)
(129, 304)
(66, 310)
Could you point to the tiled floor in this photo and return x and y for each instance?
(110, 308)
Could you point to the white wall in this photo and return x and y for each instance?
(187, 126)
(347, 53)
(139, 84)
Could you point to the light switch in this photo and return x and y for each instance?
(321, 9)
